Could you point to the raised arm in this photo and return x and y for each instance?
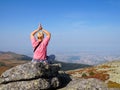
(35, 31)
(48, 34)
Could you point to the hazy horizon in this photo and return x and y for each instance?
(75, 25)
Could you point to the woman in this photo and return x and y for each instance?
(40, 44)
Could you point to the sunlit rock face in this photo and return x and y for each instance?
(31, 76)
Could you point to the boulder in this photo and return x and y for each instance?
(30, 76)
(85, 84)
(37, 76)
(36, 84)
(29, 71)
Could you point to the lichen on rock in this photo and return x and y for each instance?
(30, 76)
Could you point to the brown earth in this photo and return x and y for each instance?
(7, 64)
(104, 72)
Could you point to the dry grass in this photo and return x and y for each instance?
(104, 66)
(3, 68)
(91, 73)
(74, 71)
(9, 64)
(100, 76)
(112, 84)
(100, 73)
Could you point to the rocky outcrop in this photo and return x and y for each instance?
(31, 76)
(37, 76)
(85, 84)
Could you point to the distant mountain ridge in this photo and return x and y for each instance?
(11, 59)
(13, 56)
(88, 57)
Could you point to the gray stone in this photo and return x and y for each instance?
(29, 71)
(85, 84)
(37, 76)
(26, 85)
(31, 76)
(36, 84)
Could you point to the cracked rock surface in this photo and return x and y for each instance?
(30, 76)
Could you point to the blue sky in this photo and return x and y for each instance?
(75, 25)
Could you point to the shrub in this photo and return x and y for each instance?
(2, 64)
(84, 75)
(91, 73)
(112, 84)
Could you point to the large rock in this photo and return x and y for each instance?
(36, 84)
(30, 76)
(85, 84)
(26, 85)
(36, 76)
(29, 71)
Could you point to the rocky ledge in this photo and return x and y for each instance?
(31, 76)
(37, 76)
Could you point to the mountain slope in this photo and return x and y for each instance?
(11, 59)
(71, 66)
(13, 56)
(108, 72)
